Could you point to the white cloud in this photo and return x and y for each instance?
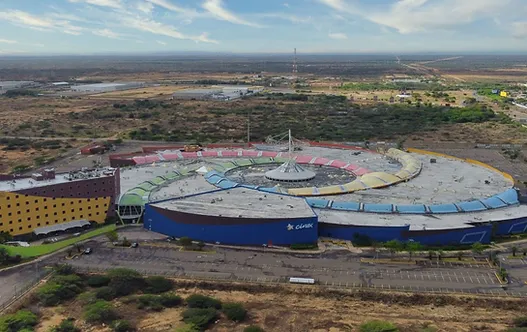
(170, 6)
(157, 28)
(410, 16)
(102, 3)
(145, 7)
(338, 35)
(106, 33)
(285, 4)
(216, 9)
(286, 17)
(41, 23)
(8, 41)
(336, 4)
(519, 29)
(161, 43)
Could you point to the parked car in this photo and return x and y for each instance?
(87, 251)
(134, 245)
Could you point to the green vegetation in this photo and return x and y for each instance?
(202, 301)
(304, 246)
(187, 328)
(100, 312)
(20, 93)
(200, 317)
(158, 285)
(98, 281)
(39, 250)
(125, 281)
(234, 311)
(158, 302)
(21, 320)
(520, 321)
(122, 325)
(105, 293)
(67, 325)
(378, 326)
(60, 288)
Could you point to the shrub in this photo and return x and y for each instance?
(122, 326)
(22, 319)
(253, 328)
(125, 281)
(66, 326)
(234, 311)
(59, 289)
(99, 312)
(64, 269)
(149, 302)
(170, 300)
(200, 317)
(517, 329)
(520, 321)
(202, 301)
(105, 293)
(187, 328)
(157, 285)
(378, 326)
(98, 281)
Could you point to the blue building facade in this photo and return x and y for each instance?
(235, 231)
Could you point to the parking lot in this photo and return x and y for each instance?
(337, 270)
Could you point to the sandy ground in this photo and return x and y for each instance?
(301, 311)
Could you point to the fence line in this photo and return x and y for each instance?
(20, 292)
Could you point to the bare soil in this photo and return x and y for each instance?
(294, 308)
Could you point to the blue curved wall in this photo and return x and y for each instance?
(254, 234)
(512, 226)
(350, 232)
(458, 236)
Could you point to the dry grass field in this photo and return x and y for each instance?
(298, 309)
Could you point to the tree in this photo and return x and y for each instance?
(413, 247)
(5, 237)
(21, 320)
(514, 250)
(122, 325)
(477, 248)
(394, 246)
(125, 281)
(4, 256)
(202, 301)
(112, 236)
(99, 312)
(185, 241)
(430, 255)
(200, 317)
(234, 311)
(158, 285)
(66, 325)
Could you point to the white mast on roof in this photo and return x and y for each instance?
(290, 145)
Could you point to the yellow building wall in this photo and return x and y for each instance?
(21, 214)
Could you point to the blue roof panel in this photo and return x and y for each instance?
(494, 203)
(346, 206)
(318, 203)
(510, 197)
(443, 208)
(411, 209)
(378, 208)
(473, 206)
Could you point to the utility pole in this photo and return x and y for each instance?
(249, 129)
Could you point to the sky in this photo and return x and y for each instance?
(262, 26)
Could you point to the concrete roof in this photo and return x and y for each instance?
(418, 222)
(241, 203)
(27, 183)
